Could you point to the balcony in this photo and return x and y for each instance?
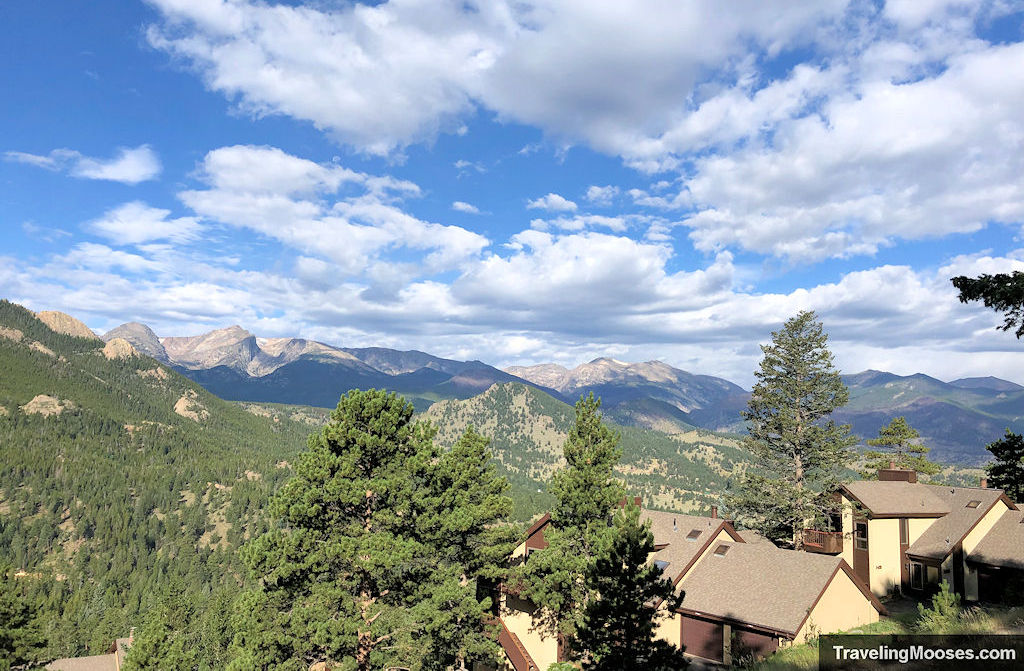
(823, 542)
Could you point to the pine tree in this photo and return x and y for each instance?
(1007, 471)
(1003, 292)
(355, 573)
(904, 450)
(618, 629)
(467, 523)
(21, 641)
(798, 453)
(586, 496)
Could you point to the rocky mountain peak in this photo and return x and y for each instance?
(66, 324)
(141, 338)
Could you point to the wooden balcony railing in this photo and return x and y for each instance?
(824, 542)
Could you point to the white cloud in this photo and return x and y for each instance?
(552, 202)
(460, 206)
(135, 223)
(129, 166)
(297, 202)
(601, 195)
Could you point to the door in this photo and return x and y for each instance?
(905, 564)
(703, 638)
(861, 558)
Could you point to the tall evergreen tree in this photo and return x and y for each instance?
(902, 448)
(354, 574)
(467, 523)
(798, 452)
(21, 641)
(1007, 471)
(586, 494)
(618, 630)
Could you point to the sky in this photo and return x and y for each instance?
(521, 181)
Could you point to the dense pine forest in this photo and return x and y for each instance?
(111, 502)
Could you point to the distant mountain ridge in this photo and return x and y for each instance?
(957, 419)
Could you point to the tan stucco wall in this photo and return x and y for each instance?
(670, 628)
(847, 553)
(520, 551)
(543, 649)
(884, 555)
(971, 541)
(918, 525)
(842, 607)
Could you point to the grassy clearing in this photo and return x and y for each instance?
(973, 620)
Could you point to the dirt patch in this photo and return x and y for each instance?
(47, 405)
(283, 464)
(154, 373)
(11, 334)
(119, 348)
(40, 347)
(252, 475)
(188, 406)
(4, 411)
(188, 497)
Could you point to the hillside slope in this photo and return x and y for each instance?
(527, 427)
(121, 477)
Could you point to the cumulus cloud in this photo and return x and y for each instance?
(135, 223)
(348, 217)
(129, 166)
(460, 206)
(601, 195)
(552, 202)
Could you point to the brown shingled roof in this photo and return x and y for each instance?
(671, 530)
(93, 663)
(940, 538)
(760, 585)
(1003, 545)
(897, 498)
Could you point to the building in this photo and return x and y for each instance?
(112, 661)
(744, 596)
(902, 535)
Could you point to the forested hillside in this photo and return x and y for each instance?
(123, 481)
(683, 471)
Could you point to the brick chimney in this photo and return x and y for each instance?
(897, 474)
(714, 512)
(984, 482)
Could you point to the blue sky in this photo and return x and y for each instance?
(522, 182)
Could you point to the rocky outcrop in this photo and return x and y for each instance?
(66, 324)
(141, 338)
(46, 405)
(233, 347)
(188, 406)
(119, 348)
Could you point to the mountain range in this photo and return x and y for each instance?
(957, 419)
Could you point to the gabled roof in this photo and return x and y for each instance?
(1003, 545)
(897, 498)
(671, 533)
(942, 537)
(763, 586)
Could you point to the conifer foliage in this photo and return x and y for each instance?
(586, 496)
(799, 453)
(618, 630)
(21, 641)
(359, 571)
(1006, 472)
(901, 447)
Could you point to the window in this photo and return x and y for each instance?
(692, 536)
(904, 531)
(973, 504)
(721, 550)
(662, 565)
(860, 536)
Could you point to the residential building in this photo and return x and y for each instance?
(112, 661)
(743, 596)
(902, 535)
